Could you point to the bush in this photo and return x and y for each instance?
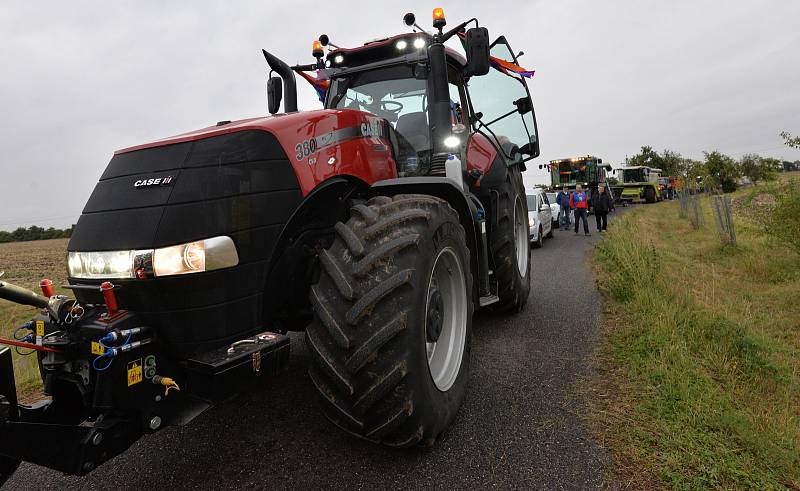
(783, 220)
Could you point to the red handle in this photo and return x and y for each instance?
(47, 288)
(23, 344)
(108, 295)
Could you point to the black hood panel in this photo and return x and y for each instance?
(239, 184)
(219, 185)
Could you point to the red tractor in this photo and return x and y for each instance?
(377, 225)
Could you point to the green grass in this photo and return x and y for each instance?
(701, 352)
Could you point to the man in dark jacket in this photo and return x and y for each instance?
(562, 199)
(602, 204)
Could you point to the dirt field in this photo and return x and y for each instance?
(25, 263)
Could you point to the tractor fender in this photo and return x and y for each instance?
(291, 267)
(446, 189)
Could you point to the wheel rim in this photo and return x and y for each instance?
(521, 236)
(446, 319)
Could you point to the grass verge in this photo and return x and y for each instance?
(699, 374)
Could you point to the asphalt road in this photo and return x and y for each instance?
(519, 426)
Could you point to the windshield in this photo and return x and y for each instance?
(633, 175)
(531, 202)
(551, 197)
(571, 173)
(396, 95)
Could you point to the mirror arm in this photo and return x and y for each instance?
(289, 81)
(457, 28)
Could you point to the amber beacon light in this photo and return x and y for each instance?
(438, 18)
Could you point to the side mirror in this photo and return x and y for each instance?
(477, 47)
(274, 94)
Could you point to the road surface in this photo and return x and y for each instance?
(519, 426)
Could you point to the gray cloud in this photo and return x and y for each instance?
(82, 79)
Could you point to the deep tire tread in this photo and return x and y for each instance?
(362, 333)
(513, 288)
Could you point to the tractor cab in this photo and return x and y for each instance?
(432, 98)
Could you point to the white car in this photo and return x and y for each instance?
(555, 208)
(540, 217)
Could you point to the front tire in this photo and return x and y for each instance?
(509, 243)
(649, 195)
(539, 239)
(391, 333)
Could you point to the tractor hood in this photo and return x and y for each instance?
(218, 180)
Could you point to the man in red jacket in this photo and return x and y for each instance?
(579, 202)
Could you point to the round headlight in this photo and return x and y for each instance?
(401, 45)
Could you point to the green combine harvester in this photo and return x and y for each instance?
(639, 183)
(588, 171)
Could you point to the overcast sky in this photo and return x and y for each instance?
(80, 80)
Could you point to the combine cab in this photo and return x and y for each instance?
(377, 225)
(640, 183)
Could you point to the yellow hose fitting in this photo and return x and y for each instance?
(167, 382)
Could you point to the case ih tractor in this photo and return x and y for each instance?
(377, 225)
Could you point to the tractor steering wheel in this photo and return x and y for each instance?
(392, 107)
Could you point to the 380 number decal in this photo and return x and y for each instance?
(305, 148)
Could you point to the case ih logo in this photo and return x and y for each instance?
(157, 181)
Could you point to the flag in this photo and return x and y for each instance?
(321, 86)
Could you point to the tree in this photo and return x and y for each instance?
(792, 141)
(757, 168)
(671, 163)
(647, 157)
(722, 171)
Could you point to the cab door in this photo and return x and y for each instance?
(502, 107)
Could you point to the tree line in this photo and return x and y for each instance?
(34, 233)
(715, 170)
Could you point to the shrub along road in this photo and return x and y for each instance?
(519, 426)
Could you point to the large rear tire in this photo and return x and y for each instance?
(391, 333)
(509, 243)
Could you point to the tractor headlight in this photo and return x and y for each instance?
(105, 264)
(193, 257)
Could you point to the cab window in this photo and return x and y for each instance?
(505, 106)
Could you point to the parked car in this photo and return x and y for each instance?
(555, 208)
(540, 217)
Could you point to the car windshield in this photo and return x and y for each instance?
(551, 197)
(396, 95)
(531, 202)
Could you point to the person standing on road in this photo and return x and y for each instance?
(580, 203)
(602, 203)
(563, 214)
